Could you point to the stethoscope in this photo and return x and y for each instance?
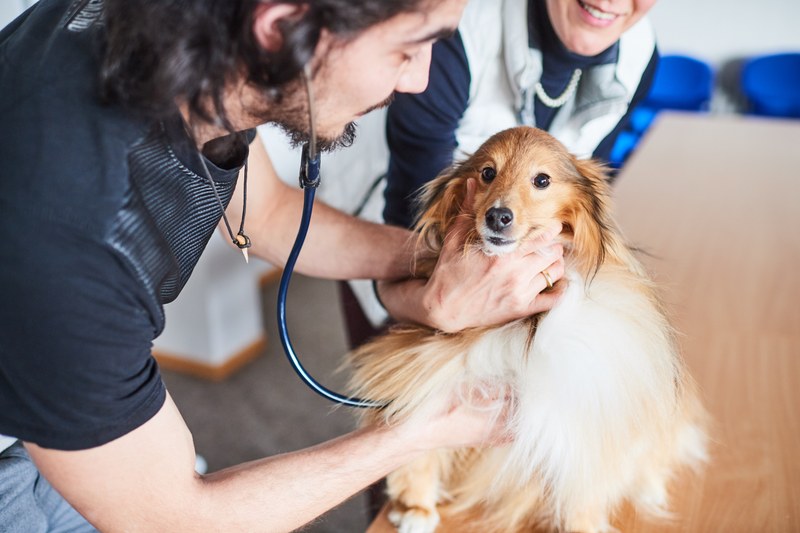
(309, 181)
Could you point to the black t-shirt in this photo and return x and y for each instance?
(103, 216)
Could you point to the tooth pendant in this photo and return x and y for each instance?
(242, 241)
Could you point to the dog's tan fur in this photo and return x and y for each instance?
(623, 429)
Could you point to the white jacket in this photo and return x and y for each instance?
(503, 75)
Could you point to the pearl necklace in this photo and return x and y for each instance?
(561, 100)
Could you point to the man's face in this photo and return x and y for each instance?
(356, 76)
(589, 27)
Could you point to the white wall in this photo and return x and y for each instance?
(724, 33)
(721, 30)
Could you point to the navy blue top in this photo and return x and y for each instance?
(103, 216)
(421, 128)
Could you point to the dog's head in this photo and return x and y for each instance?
(525, 178)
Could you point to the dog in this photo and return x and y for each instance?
(604, 410)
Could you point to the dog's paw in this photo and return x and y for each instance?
(415, 520)
(653, 499)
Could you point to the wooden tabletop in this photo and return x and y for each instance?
(715, 201)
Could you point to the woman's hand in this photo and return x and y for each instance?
(474, 289)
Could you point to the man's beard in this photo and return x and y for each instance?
(299, 135)
(296, 126)
(290, 114)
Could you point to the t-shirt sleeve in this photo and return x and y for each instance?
(76, 369)
(603, 150)
(421, 129)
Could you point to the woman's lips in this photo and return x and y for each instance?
(596, 17)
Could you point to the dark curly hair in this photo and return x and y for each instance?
(162, 50)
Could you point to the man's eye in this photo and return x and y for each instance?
(541, 181)
(410, 55)
(488, 174)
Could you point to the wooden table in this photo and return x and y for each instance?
(716, 202)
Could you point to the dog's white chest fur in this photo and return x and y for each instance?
(597, 407)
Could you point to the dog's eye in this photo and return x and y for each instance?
(541, 181)
(488, 174)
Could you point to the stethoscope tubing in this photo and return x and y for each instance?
(309, 179)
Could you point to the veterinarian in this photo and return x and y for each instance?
(125, 126)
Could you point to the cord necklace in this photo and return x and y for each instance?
(241, 240)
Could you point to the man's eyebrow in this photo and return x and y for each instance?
(443, 33)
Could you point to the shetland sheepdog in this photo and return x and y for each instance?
(604, 409)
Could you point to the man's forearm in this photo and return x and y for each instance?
(404, 301)
(303, 484)
(145, 481)
(344, 247)
(338, 245)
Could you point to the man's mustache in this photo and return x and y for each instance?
(380, 105)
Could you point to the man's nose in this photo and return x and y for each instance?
(415, 78)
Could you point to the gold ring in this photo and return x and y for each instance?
(547, 278)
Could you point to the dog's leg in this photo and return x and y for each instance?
(414, 491)
(652, 492)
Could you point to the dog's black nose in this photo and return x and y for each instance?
(499, 218)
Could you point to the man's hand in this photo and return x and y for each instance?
(471, 417)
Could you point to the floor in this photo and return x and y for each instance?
(265, 409)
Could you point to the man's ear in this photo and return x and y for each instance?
(266, 22)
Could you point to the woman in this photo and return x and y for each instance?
(570, 67)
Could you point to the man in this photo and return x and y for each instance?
(125, 126)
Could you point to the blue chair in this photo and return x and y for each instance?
(680, 82)
(623, 146)
(771, 84)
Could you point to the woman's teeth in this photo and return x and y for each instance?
(596, 13)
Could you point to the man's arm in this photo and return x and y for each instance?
(145, 480)
(464, 291)
(338, 246)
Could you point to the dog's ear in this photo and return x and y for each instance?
(438, 205)
(589, 217)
